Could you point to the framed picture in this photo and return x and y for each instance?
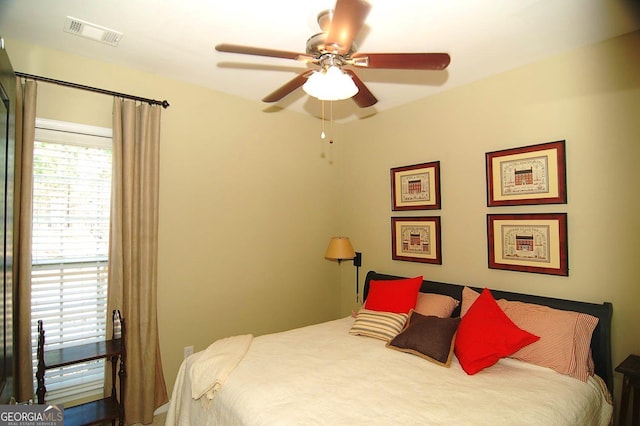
(528, 242)
(416, 239)
(533, 174)
(416, 187)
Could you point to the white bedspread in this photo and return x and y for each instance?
(321, 375)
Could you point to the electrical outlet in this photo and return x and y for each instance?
(188, 350)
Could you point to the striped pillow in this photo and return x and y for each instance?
(378, 324)
(565, 336)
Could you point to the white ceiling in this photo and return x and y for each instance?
(176, 39)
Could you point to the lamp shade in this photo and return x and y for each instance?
(331, 84)
(340, 248)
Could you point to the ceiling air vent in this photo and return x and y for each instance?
(92, 31)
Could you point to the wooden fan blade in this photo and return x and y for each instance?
(287, 88)
(259, 51)
(403, 61)
(348, 19)
(364, 98)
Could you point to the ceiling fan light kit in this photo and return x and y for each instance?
(333, 50)
(330, 85)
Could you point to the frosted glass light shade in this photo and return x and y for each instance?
(330, 85)
(340, 248)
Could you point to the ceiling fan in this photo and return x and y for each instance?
(333, 49)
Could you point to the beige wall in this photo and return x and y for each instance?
(240, 187)
(248, 202)
(591, 99)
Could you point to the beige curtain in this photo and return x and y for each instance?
(25, 135)
(133, 252)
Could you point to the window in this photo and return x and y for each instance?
(70, 243)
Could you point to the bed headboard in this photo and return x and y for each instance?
(600, 340)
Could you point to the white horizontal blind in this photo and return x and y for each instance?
(71, 206)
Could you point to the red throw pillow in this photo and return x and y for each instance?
(486, 334)
(393, 295)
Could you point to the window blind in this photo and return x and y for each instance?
(70, 242)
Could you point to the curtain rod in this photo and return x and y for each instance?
(163, 103)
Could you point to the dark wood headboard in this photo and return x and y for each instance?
(600, 340)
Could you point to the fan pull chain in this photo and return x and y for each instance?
(331, 121)
(322, 135)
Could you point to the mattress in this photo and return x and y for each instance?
(322, 375)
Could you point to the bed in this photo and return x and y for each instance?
(329, 374)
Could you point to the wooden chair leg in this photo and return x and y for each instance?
(624, 400)
(635, 416)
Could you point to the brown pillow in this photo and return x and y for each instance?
(428, 337)
(438, 305)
